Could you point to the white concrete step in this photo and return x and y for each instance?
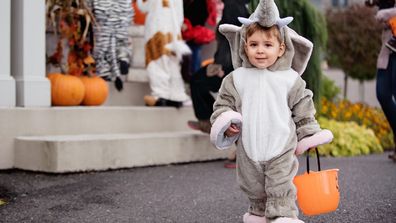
(83, 120)
(71, 153)
(93, 120)
(131, 95)
(138, 75)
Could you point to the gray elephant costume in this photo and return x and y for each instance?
(275, 112)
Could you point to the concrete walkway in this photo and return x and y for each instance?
(194, 192)
(354, 93)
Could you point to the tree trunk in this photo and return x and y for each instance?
(345, 85)
(361, 91)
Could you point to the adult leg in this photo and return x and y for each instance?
(386, 91)
(393, 125)
(391, 110)
(201, 88)
(186, 68)
(196, 56)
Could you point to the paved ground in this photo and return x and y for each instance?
(196, 192)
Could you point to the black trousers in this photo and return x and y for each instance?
(201, 86)
(386, 91)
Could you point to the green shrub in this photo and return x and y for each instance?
(329, 89)
(362, 114)
(350, 139)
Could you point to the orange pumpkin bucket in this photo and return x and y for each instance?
(392, 24)
(317, 192)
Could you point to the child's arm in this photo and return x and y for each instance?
(303, 110)
(309, 133)
(222, 134)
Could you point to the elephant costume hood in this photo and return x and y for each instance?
(298, 49)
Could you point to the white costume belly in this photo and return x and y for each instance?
(266, 114)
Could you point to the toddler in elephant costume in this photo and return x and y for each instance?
(263, 105)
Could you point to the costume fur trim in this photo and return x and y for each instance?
(220, 126)
(287, 220)
(323, 137)
(249, 218)
(385, 14)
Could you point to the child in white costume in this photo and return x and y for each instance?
(164, 48)
(264, 106)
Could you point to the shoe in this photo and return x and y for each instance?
(392, 156)
(249, 218)
(193, 125)
(287, 220)
(201, 125)
(161, 102)
(391, 44)
(124, 67)
(168, 103)
(149, 100)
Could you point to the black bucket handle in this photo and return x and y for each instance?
(317, 158)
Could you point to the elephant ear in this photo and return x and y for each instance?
(302, 51)
(233, 35)
(297, 54)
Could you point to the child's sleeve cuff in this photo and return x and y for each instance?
(220, 126)
(323, 137)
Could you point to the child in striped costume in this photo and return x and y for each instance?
(111, 50)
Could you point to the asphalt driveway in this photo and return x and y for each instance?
(192, 192)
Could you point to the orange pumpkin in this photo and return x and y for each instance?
(66, 90)
(96, 90)
(139, 18)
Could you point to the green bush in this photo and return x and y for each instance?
(350, 139)
(329, 89)
(362, 114)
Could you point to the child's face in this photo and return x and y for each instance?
(262, 50)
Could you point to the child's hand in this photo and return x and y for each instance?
(232, 130)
